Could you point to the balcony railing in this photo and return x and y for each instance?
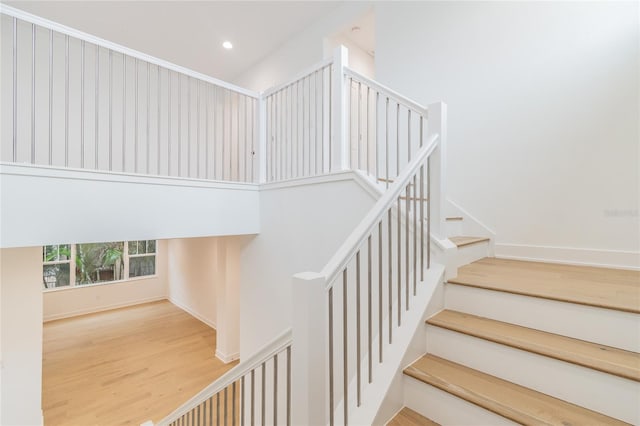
(75, 101)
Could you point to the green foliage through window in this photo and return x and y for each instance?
(90, 263)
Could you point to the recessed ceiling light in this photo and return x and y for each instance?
(227, 45)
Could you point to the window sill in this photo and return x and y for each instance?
(76, 287)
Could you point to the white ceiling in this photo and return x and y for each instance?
(362, 32)
(189, 33)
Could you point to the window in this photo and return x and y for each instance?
(67, 265)
(99, 262)
(56, 269)
(142, 258)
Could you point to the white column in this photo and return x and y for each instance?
(339, 136)
(21, 336)
(262, 139)
(437, 124)
(309, 365)
(227, 300)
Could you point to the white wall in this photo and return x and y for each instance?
(302, 227)
(203, 277)
(359, 60)
(300, 52)
(21, 336)
(228, 298)
(91, 206)
(193, 276)
(72, 301)
(543, 114)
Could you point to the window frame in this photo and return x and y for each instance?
(128, 256)
(70, 261)
(72, 267)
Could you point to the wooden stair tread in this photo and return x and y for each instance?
(466, 241)
(408, 417)
(598, 357)
(602, 287)
(507, 399)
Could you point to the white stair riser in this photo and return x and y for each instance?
(605, 393)
(447, 409)
(468, 254)
(604, 326)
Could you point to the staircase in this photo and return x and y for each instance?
(530, 343)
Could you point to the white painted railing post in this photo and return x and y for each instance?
(262, 139)
(437, 124)
(339, 135)
(309, 349)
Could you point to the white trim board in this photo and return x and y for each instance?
(111, 307)
(227, 358)
(56, 172)
(569, 255)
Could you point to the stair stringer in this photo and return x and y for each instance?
(383, 398)
(471, 225)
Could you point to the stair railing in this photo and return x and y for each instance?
(82, 102)
(344, 316)
(302, 127)
(384, 128)
(256, 391)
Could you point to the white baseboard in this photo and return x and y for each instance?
(569, 255)
(101, 308)
(227, 358)
(194, 314)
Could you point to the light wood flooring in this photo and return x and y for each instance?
(408, 417)
(125, 366)
(606, 288)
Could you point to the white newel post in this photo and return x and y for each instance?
(437, 124)
(339, 136)
(262, 139)
(309, 378)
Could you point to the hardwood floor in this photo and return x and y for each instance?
(408, 417)
(125, 366)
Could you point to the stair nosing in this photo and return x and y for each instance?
(456, 281)
(477, 240)
(485, 402)
(534, 348)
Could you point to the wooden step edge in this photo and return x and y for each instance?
(539, 406)
(576, 301)
(407, 417)
(630, 370)
(462, 241)
(454, 219)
